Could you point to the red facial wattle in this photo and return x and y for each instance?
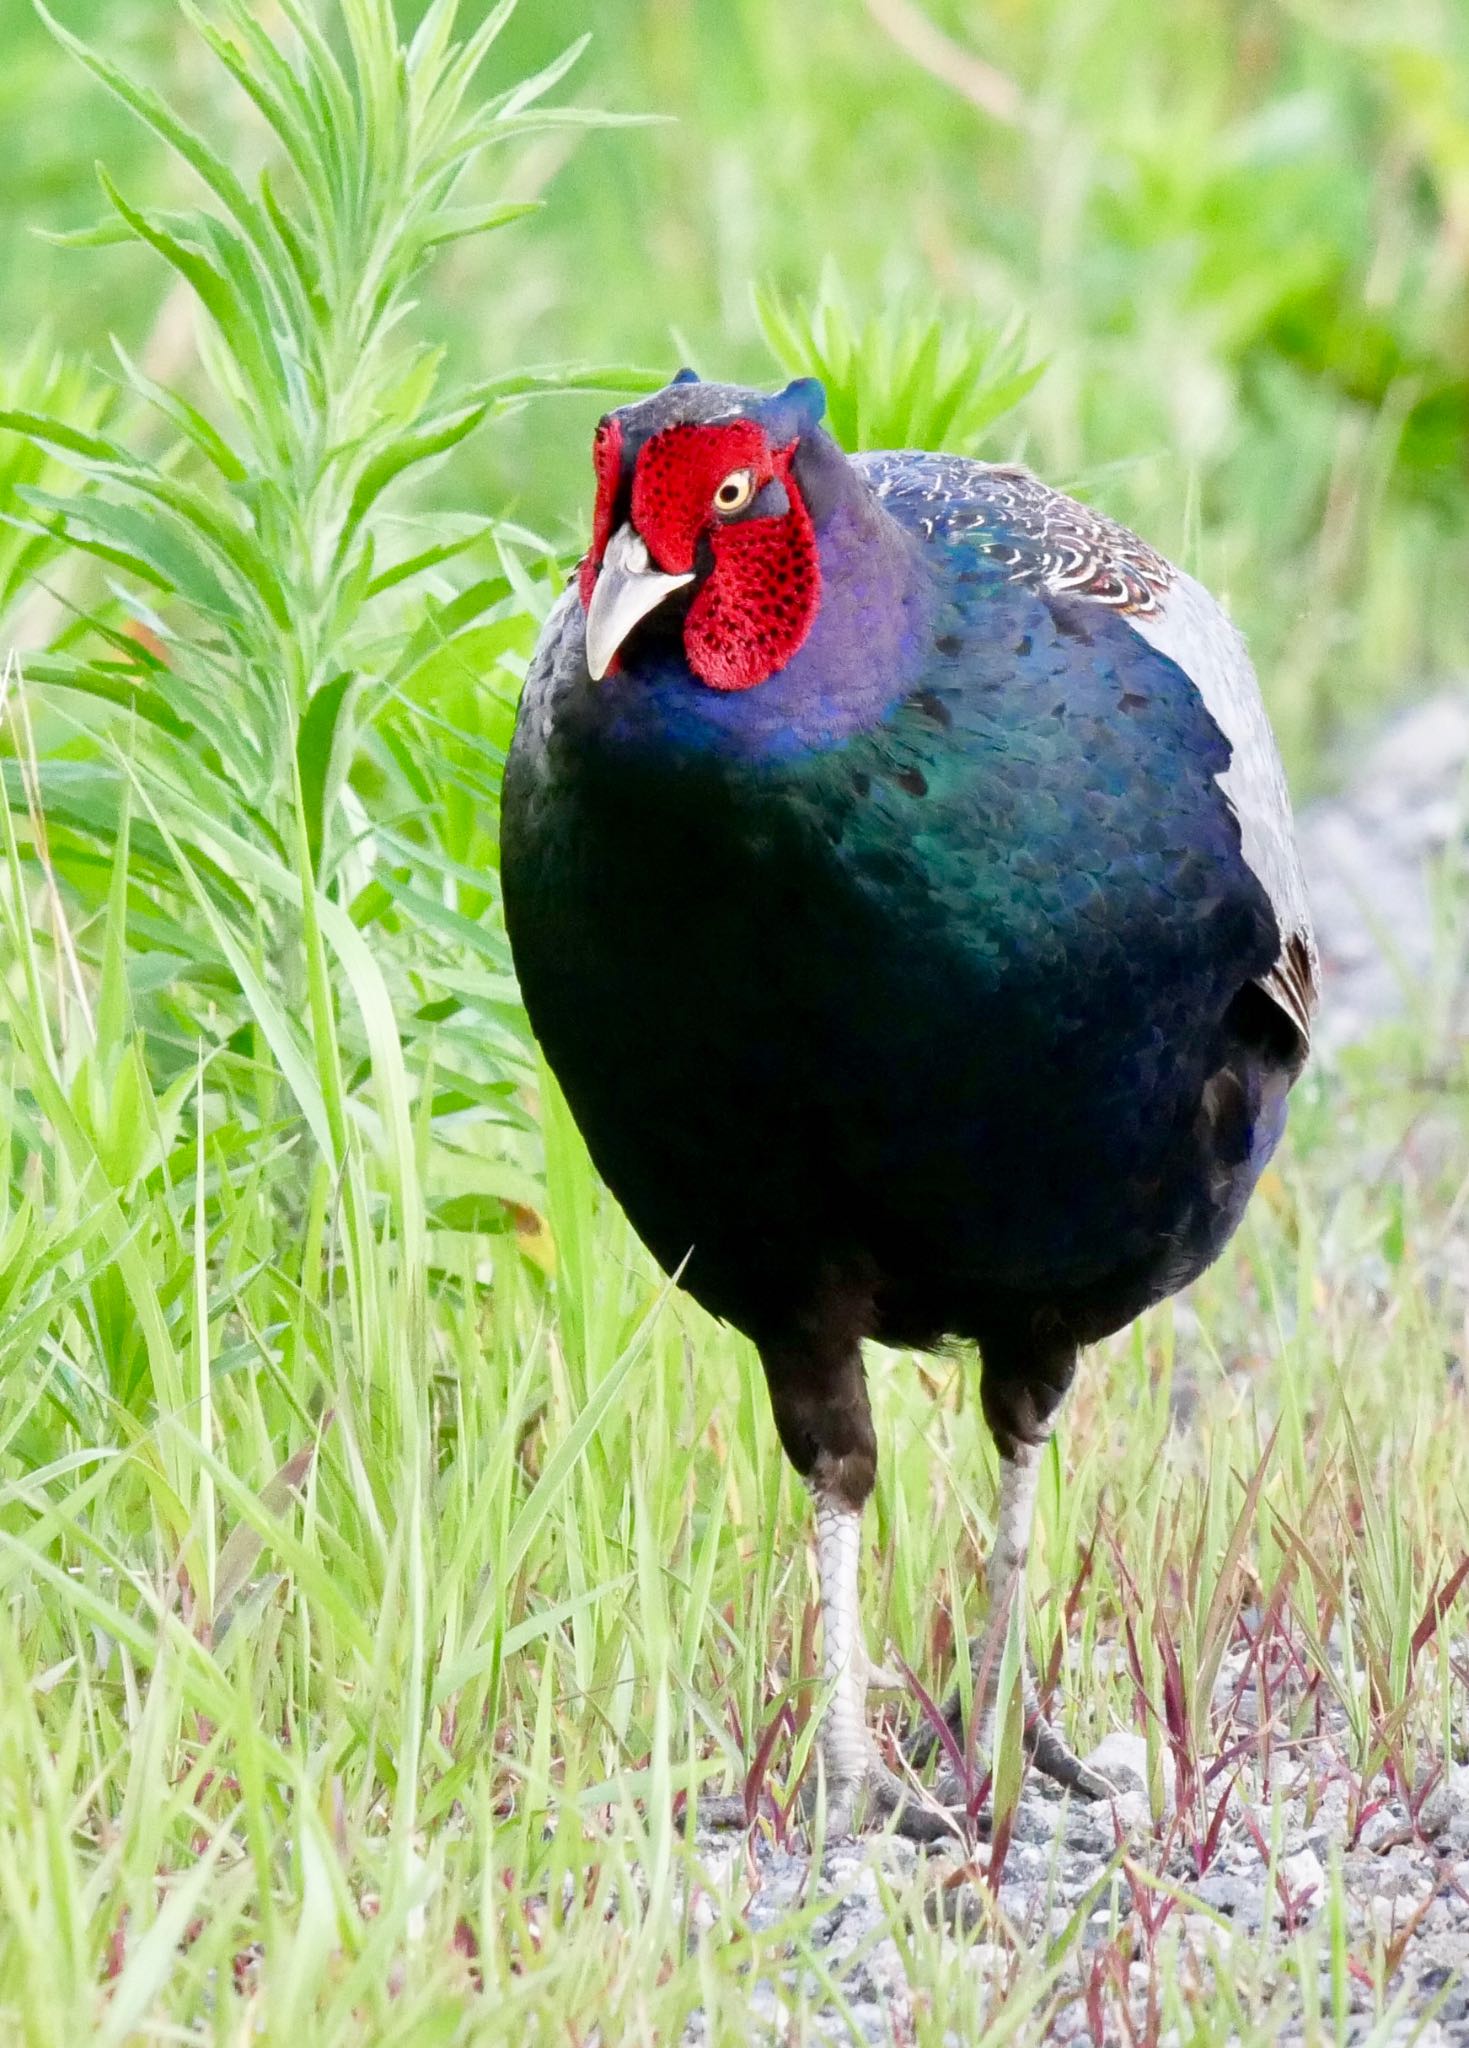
(607, 463)
(759, 600)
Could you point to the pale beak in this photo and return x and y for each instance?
(627, 589)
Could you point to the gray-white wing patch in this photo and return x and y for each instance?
(1192, 630)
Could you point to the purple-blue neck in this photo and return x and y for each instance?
(864, 649)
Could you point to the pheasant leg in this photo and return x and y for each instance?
(849, 1763)
(1049, 1751)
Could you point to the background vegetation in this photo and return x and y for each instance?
(381, 1549)
(1235, 233)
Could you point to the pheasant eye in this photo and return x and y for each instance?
(735, 493)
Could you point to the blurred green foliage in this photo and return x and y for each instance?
(1236, 231)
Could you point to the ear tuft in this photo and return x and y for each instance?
(794, 411)
(685, 376)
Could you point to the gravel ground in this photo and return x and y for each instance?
(1377, 859)
(1398, 1882)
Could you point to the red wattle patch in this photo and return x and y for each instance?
(607, 462)
(759, 601)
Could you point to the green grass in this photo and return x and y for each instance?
(384, 1548)
(351, 1675)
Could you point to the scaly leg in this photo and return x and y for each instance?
(1049, 1751)
(849, 1762)
(1029, 1360)
(849, 1758)
(818, 1393)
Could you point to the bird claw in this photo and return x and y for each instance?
(914, 1813)
(920, 1744)
(721, 1813)
(1054, 1758)
(1051, 1756)
(1068, 1771)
